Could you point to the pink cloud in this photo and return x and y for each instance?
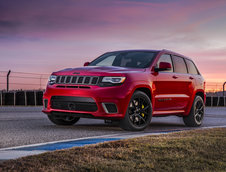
(48, 35)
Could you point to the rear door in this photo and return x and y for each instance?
(184, 85)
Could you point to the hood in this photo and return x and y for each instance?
(98, 70)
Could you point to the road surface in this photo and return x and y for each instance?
(28, 125)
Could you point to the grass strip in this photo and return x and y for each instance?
(194, 150)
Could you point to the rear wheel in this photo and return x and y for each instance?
(138, 114)
(65, 120)
(195, 118)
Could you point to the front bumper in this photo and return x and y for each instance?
(99, 96)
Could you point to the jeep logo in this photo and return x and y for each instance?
(71, 106)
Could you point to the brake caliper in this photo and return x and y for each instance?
(142, 107)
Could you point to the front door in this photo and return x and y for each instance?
(171, 94)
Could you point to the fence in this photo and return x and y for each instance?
(214, 88)
(34, 98)
(21, 88)
(22, 80)
(36, 82)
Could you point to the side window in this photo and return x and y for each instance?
(179, 65)
(191, 67)
(165, 58)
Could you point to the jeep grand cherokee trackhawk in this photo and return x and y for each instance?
(129, 86)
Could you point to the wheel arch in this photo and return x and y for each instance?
(145, 90)
(201, 94)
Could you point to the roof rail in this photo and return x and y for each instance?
(167, 50)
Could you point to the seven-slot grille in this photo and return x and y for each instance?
(84, 80)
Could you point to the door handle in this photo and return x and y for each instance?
(191, 78)
(175, 77)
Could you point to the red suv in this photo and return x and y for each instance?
(129, 86)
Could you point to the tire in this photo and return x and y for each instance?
(64, 120)
(138, 114)
(196, 115)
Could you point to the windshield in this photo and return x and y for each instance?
(133, 59)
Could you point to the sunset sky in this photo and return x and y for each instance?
(41, 36)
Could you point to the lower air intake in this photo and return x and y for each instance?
(73, 103)
(110, 107)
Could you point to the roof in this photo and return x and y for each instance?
(135, 50)
(174, 53)
(157, 51)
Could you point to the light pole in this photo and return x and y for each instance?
(223, 88)
(7, 86)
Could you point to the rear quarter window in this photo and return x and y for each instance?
(179, 64)
(191, 67)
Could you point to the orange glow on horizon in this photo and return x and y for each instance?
(35, 38)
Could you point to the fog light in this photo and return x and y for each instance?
(45, 102)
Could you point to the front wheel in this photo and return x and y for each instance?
(195, 117)
(138, 114)
(66, 120)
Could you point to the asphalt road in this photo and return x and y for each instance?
(28, 125)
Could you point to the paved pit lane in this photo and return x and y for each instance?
(28, 125)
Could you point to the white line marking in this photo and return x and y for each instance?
(220, 126)
(59, 141)
(7, 155)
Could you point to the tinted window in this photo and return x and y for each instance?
(166, 58)
(179, 65)
(133, 59)
(191, 67)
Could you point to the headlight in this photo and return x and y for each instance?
(112, 81)
(52, 79)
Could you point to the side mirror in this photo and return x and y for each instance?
(163, 66)
(86, 63)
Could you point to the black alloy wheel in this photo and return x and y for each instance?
(199, 112)
(196, 115)
(139, 113)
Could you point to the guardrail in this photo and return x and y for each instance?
(34, 98)
(21, 98)
(216, 101)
